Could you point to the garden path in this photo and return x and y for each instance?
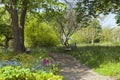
(71, 69)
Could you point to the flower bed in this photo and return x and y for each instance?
(34, 66)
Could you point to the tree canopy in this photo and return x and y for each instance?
(68, 18)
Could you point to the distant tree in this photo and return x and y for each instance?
(106, 35)
(116, 34)
(94, 8)
(90, 34)
(95, 31)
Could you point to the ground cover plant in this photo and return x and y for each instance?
(37, 65)
(12, 73)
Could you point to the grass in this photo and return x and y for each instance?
(109, 69)
(102, 59)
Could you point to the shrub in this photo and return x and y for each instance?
(40, 35)
(18, 73)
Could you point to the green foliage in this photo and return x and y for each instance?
(12, 73)
(5, 30)
(94, 8)
(111, 69)
(116, 34)
(40, 34)
(86, 35)
(107, 35)
(118, 18)
(76, 38)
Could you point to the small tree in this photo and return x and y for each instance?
(69, 22)
(95, 30)
(67, 26)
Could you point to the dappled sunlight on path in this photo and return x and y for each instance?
(73, 70)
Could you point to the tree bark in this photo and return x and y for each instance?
(18, 30)
(22, 23)
(15, 30)
(93, 38)
(66, 42)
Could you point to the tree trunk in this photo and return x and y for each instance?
(22, 23)
(66, 42)
(93, 38)
(7, 39)
(11, 8)
(15, 30)
(18, 30)
(92, 41)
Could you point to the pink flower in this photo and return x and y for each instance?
(45, 61)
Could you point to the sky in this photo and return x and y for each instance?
(108, 21)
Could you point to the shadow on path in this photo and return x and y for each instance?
(73, 70)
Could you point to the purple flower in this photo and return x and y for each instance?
(45, 61)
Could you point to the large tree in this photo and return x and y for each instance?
(18, 10)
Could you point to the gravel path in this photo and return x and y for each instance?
(73, 70)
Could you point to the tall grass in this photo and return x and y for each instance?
(103, 59)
